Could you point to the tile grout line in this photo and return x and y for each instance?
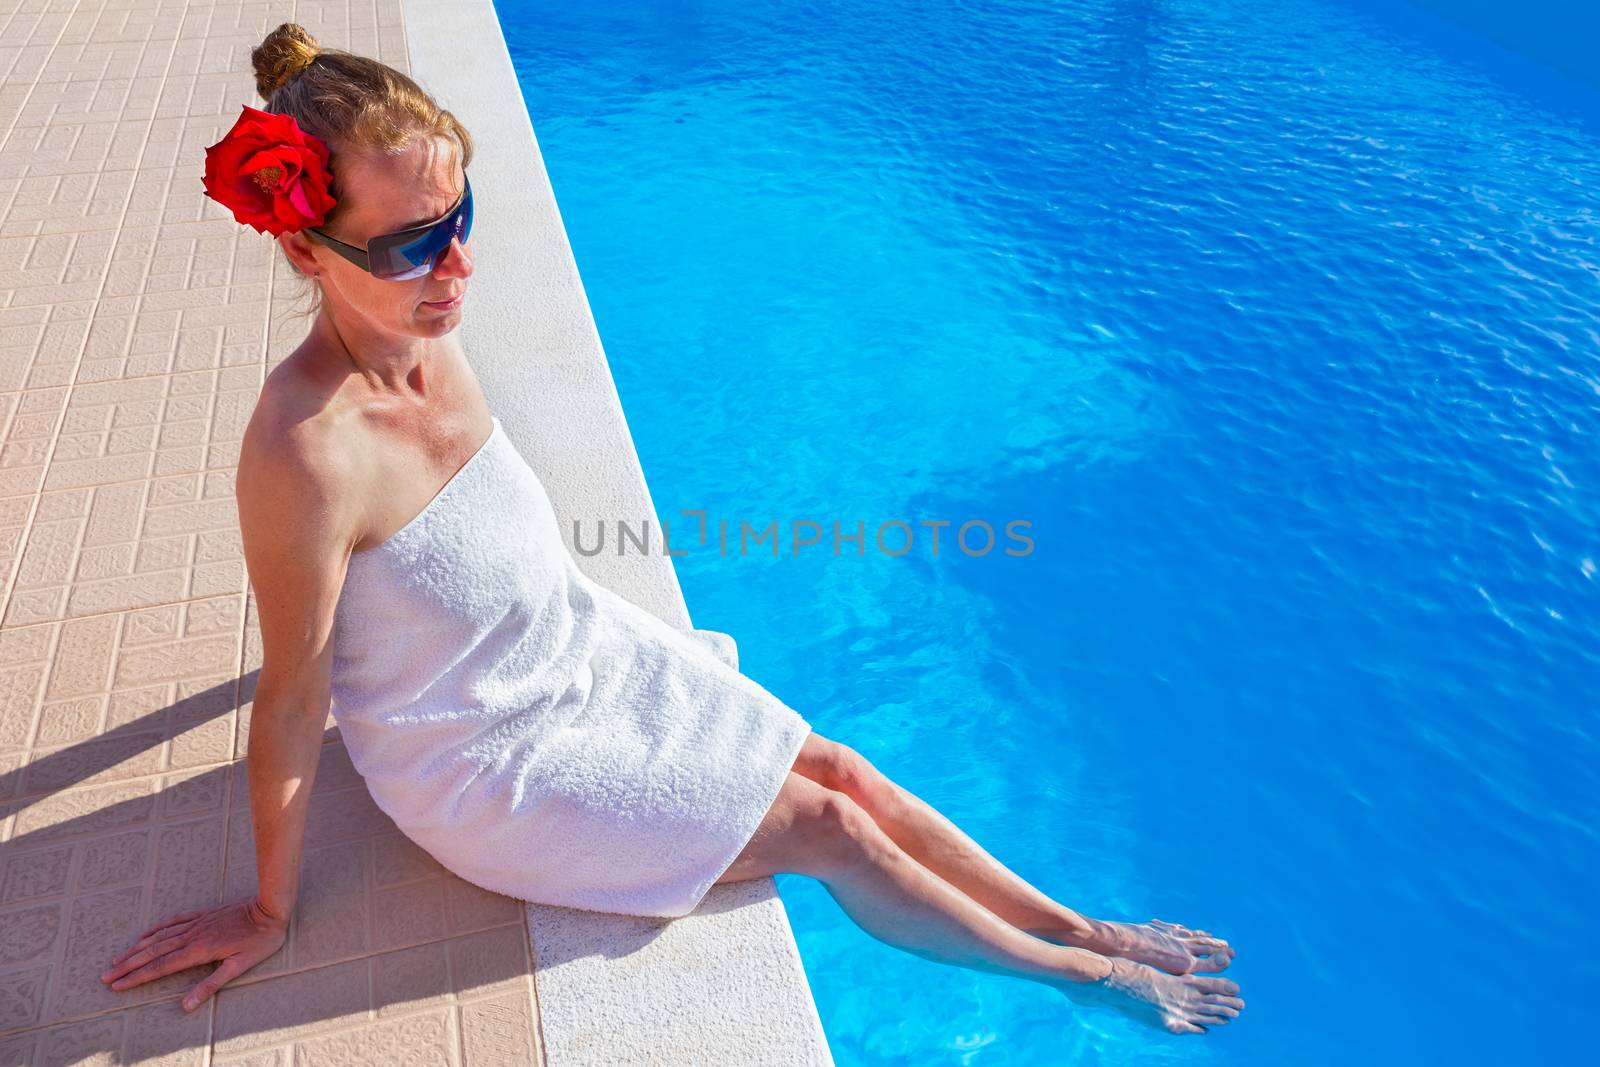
(135, 480)
(218, 369)
(8, 825)
(34, 85)
(197, 769)
(93, 305)
(26, 801)
(14, 567)
(138, 304)
(65, 619)
(249, 979)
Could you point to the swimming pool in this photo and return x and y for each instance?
(1277, 321)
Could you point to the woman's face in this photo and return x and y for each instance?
(380, 195)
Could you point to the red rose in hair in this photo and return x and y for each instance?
(270, 173)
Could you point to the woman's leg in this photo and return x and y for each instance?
(938, 844)
(822, 833)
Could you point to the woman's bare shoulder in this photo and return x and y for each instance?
(297, 435)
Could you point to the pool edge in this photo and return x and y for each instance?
(608, 987)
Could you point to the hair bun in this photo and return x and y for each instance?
(286, 52)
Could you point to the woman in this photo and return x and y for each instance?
(538, 734)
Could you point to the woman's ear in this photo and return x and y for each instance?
(298, 248)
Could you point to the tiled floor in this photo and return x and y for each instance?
(137, 321)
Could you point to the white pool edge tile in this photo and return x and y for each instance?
(725, 984)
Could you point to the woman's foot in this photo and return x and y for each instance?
(1165, 946)
(1179, 1004)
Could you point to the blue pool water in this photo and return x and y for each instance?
(1277, 320)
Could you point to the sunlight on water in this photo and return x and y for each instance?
(1277, 321)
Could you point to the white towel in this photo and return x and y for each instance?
(538, 734)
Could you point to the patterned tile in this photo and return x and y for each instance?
(137, 322)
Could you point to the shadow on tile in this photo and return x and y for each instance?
(384, 941)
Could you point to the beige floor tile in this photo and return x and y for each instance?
(137, 323)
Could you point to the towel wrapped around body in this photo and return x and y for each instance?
(538, 734)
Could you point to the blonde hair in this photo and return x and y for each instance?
(355, 104)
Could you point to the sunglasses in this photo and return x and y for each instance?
(408, 253)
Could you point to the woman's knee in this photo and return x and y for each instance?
(811, 830)
(841, 768)
(836, 832)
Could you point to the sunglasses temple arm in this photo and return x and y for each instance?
(351, 252)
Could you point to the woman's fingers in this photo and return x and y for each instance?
(230, 934)
(140, 954)
(226, 971)
(171, 919)
(171, 927)
(179, 959)
(161, 958)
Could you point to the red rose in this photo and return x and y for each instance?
(270, 173)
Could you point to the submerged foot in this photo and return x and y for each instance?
(1170, 947)
(1178, 1004)
(1165, 946)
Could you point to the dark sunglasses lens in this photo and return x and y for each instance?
(415, 257)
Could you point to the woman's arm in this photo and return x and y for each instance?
(285, 744)
(297, 519)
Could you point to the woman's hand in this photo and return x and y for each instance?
(241, 935)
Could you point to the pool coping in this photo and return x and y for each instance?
(724, 984)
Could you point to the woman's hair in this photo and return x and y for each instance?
(356, 105)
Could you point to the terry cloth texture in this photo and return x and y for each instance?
(538, 734)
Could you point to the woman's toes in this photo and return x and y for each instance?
(1210, 957)
(1208, 944)
(1183, 1026)
(1226, 1001)
(1225, 986)
(1216, 1014)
